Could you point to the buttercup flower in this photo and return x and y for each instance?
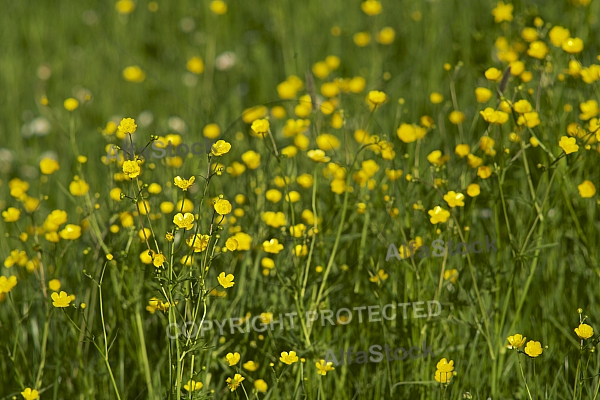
(584, 331)
(184, 184)
(30, 394)
(371, 7)
(261, 126)
(48, 166)
(222, 207)
(376, 97)
(533, 349)
(192, 386)
(232, 358)
(7, 284)
(71, 104)
(127, 126)
(568, 144)
(323, 368)
(184, 221)
(572, 45)
(272, 246)
(61, 300)
(234, 382)
(438, 215)
(454, 199)
(586, 189)
(318, 156)
(250, 366)
(11, 214)
(226, 281)
(502, 12)
(131, 169)
(516, 341)
(288, 359)
(261, 385)
(220, 147)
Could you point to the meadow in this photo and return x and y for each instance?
(253, 259)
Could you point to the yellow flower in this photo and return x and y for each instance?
(386, 35)
(558, 35)
(572, 45)
(483, 94)
(587, 189)
(436, 98)
(589, 109)
(250, 366)
(125, 6)
(158, 260)
(54, 285)
(493, 74)
(127, 126)
(456, 117)
(445, 365)
(484, 172)
(454, 199)
(361, 39)
(195, 65)
(371, 7)
(134, 73)
(6, 284)
(231, 244)
(184, 221)
(410, 133)
(436, 158)
(234, 382)
(48, 166)
(131, 169)
(222, 207)
(323, 368)
(261, 385)
(443, 377)
(260, 126)
(226, 281)
(251, 159)
(533, 349)
(288, 359)
(218, 7)
(70, 232)
(61, 300)
(451, 275)
(529, 119)
(184, 184)
(376, 97)
(11, 214)
(232, 358)
(272, 246)
(516, 341)
(29, 394)
(438, 215)
(220, 147)
(584, 331)
(537, 49)
(462, 150)
(192, 386)
(198, 242)
(568, 144)
(71, 104)
(318, 156)
(522, 106)
(502, 12)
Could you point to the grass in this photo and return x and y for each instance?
(546, 266)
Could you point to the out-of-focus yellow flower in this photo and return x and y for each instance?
(456, 117)
(195, 65)
(376, 97)
(386, 35)
(558, 35)
(134, 73)
(362, 39)
(454, 199)
(218, 7)
(371, 7)
(71, 104)
(493, 74)
(572, 45)
(318, 156)
(537, 49)
(502, 12)
(70, 232)
(125, 6)
(586, 189)
(11, 214)
(529, 119)
(483, 94)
